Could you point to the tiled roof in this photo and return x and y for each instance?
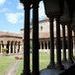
(10, 34)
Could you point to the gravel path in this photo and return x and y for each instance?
(12, 70)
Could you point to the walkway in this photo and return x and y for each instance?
(12, 70)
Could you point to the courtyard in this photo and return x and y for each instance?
(11, 64)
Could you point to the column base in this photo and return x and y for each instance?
(51, 66)
(64, 60)
(59, 66)
(70, 61)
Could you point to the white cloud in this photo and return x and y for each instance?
(13, 18)
(4, 10)
(20, 6)
(2, 2)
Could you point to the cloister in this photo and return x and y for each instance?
(60, 37)
(10, 41)
(63, 12)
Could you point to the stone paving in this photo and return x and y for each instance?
(69, 70)
(12, 70)
(50, 72)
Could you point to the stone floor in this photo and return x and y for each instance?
(50, 72)
(69, 70)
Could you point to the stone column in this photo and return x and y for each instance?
(47, 45)
(73, 46)
(4, 45)
(16, 48)
(20, 48)
(1, 48)
(35, 66)
(58, 45)
(43, 44)
(40, 45)
(70, 45)
(13, 48)
(26, 66)
(64, 43)
(52, 63)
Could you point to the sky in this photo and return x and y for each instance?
(12, 15)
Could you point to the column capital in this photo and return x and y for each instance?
(26, 3)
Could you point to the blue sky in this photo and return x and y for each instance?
(12, 15)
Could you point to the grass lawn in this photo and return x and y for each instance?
(5, 62)
(44, 61)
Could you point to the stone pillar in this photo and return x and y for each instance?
(40, 45)
(5, 46)
(47, 45)
(35, 66)
(52, 63)
(16, 48)
(70, 45)
(58, 45)
(64, 43)
(1, 48)
(43, 44)
(26, 66)
(73, 46)
(20, 48)
(13, 48)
